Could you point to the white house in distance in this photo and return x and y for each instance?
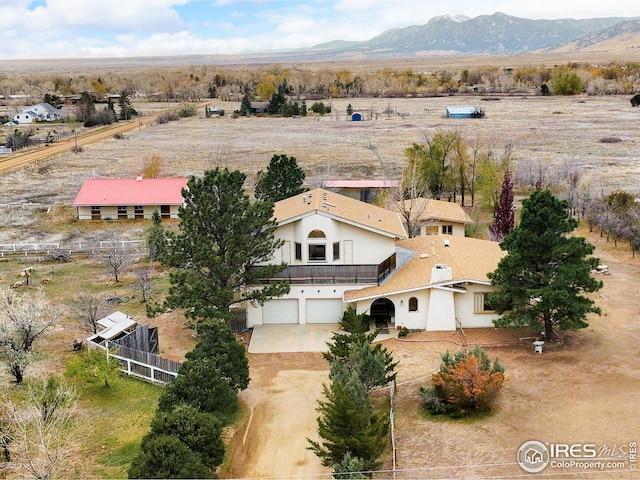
(332, 244)
(129, 198)
(43, 112)
(340, 252)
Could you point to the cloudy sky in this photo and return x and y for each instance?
(126, 28)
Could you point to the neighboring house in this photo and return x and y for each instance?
(443, 284)
(464, 112)
(331, 244)
(129, 198)
(43, 112)
(436, 217)
(259, 107)
(364, 190)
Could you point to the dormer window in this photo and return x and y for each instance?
(317, 246)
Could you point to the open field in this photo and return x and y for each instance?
(545, 131)
(586, 390)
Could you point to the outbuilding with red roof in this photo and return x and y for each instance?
(129, 198)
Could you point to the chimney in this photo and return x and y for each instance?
(139, 177)
(441, 273)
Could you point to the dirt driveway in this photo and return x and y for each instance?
(585, 390)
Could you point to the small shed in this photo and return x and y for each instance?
(356, 117)
(116, 325)
(464, 112)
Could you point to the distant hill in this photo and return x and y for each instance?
(496, 34)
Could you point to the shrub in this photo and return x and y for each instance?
(119, 136)
(187, 110)
(610, 140)
(165, 456)
(466, 383)
(635, 100)
(404, 331)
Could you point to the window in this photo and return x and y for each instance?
(317, 253)
(431, 230)
(138, 211)
(481, 304)
(165, 211)
(336, 251)
(317, 247)
(447, 229)
(298, 247)
(122, 212)
(95, 213)
(413, 304)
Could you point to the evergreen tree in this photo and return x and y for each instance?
(156, 238)
(222, 240)
(201, 432)
(504, 216)
(282, 179)
(545, 273)
(277, 101)
(348, 424)
(165, 456)
(349, 109)
(245, 106)
(127, 112)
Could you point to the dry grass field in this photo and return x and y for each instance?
(584, 391)
(545, 131)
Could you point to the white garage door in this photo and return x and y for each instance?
(324, 310)
(280, 311)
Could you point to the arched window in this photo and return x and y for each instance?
(317, 246)
(413, 304)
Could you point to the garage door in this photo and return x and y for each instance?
(324, 310)
(280, 311)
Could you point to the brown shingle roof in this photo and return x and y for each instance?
(428, 208)
(323, 202)
(470, 259)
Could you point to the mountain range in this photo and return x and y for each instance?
(496, 34)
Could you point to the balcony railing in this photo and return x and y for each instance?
(335, 274)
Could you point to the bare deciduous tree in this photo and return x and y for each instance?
(143, 281)
(115, 255)
(89, 308)
(23, 320)
(40, 430)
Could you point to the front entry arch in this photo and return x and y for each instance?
(383, 312)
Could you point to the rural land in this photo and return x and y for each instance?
(583, 390)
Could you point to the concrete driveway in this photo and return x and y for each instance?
(291, 338)
(296, 338)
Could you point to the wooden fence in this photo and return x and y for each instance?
(392, 392)
(137, 363)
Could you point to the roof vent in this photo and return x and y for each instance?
(139, 177)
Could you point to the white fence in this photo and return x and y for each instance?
(146, 366)
(26, 249)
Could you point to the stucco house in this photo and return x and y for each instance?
(331, 244)
(436, 217)
(129, 198)
(340, 251)
(442, 284)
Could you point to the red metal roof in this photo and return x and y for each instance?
(361, 183)
(130, 191)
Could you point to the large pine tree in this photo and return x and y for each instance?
(546, 272)
(282, 179)
(224, 238)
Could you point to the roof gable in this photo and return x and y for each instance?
(426, 209)
(341, 208)
(130, 191)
